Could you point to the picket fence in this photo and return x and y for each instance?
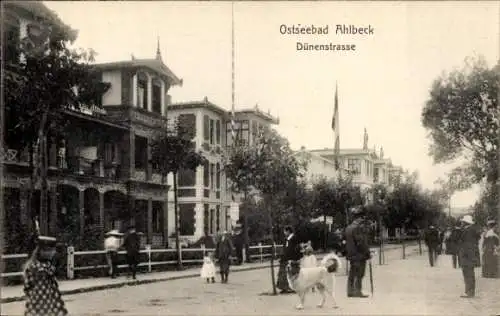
(259, 252)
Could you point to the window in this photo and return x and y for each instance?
(217, 214)
(188, 124)
(157, 219)
(12, 38)
(245, 132)
(142, 91)
(212, 171)
(206, 219)
(187, 178)
(140, 152)
(217, 170)
(229, 137)
(206, 127)
(156, 96)
(206, 175)
(375, 174)
(354, 165)
(217, 132)
(212, 128)
(186, 219)
(212, 219)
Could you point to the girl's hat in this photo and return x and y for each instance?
(491, 222)
(308, 248)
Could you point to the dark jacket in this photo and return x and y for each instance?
(132, 244)
(432, 237)
(357, 246)
(468, 247)
(224, 248)
(291, 249)
(452, 242)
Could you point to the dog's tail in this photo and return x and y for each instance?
(335, 266)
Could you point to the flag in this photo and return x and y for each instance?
(336, 130)
(233, 116)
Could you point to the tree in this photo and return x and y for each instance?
(269, 167)
(461, 117)
(172, 150)
(43, 79)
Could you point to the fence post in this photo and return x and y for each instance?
(260, 252)
(180, 255)
(419, 245)
(274, 248)
(203, 250)
(404, 247)
(148, 251)
(70, 266)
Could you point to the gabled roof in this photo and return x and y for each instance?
(196, 105)
(152, 64)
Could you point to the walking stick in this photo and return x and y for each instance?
(371, 275)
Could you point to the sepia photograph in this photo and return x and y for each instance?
(250, 158)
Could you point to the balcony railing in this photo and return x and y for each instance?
(140, 175)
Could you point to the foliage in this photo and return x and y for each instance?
(461, 117)
(48, 79)
(486, 208)
(172, 149)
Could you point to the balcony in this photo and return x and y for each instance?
(140, 175)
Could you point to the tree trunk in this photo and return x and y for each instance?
(40, 172)
(177, 228)
(325, 233)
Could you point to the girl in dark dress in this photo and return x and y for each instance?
(40, 285)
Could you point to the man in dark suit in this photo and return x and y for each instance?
(432, 241)
(358, 252)
(468, 254)
(291, 251)
(132, 245)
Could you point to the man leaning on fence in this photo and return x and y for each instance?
(111, 244)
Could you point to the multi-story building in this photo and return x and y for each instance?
(204, 196)
(100, 171)
(317, 167)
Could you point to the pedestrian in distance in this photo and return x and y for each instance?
(43, 297)
(358, 252)
(112, 244)
(208, 269)
(432, 241)
(132, 245)
(223, 251)
(452, 245)
(468, 254)
(491, 251)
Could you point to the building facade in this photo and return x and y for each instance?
(206, 202)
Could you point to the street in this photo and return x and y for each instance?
(408, 287)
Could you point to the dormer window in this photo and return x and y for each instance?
(142, 91)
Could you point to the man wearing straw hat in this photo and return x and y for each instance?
(468, 254)
(111, 244)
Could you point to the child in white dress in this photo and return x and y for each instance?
(208, 268)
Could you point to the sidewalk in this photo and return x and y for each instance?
(15, 293)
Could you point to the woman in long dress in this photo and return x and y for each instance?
(491, 252)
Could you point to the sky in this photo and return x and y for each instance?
(382, 85)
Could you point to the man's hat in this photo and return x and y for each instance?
(46, 241)
(491, 222)
(467, 219)
(357, 211)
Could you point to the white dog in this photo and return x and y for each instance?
(301, 280)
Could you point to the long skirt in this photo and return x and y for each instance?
(490, 265)
(282, 282)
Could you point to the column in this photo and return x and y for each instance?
(128, 166)
(150, 94)
(198, 223)
(53, 210)
(81, 208)
(100, 159)
(149, 220)
(163, 105)
(101, 214)
(149, 166)
(134, 90)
